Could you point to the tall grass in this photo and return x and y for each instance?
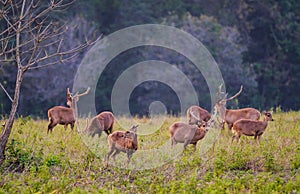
(67, 161)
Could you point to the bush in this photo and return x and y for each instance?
(20, 157)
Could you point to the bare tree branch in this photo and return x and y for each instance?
(31, 39)
(10, 98)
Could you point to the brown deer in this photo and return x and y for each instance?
(64, 115)
(122, 141)
(187, 134)
(102, 122)
(196, 115)
(251, 127)
(230, 115)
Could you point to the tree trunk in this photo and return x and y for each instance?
(8, 126)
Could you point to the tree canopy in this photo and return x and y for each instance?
(255, 43)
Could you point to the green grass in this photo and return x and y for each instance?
(67, 161)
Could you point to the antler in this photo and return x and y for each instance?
(82, 94)
(219, 93)
(232, 97)
(68, 92)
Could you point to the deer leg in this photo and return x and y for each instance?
(222, 125)
(72, 125)
(230, 125)
(255, 137)
(106, 131)
(232, 139)
(99, 133)
(129, 155)
(110, 129)
(115, 154)
(258, 139)
(173, 142)
(195, 144)
(50, 127)
(186, 143)
(108, 155)
(65, 126)
(235, 136)
(238, 138)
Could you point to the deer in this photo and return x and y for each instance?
(122, 141)
(188, 134)
(65, 115)
(102, 122)
(251, 127)
(231, 115)
(196, 115)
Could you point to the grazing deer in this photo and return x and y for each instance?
(102, 122)
(196, 115)
(230, 115)
(187, 134)
(64, 115)
(251, 127)
(120, 141)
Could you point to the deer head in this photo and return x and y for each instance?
(221, 102)
(71, 100)
(268, 115)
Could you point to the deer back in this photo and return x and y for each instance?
(245, 113)
(106, 119)
(61, 115)
(94, 126)
(249, 127)
(182, 131)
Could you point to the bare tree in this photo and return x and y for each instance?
(27, 32)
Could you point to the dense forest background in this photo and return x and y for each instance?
(255, 43)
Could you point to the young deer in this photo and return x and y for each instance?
(229, 115)
(251, 127)
(187, 134)
(102, 122)
(122, 141)
(196, 115)
(64, 115)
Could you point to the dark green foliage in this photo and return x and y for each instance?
(262, 38)
(19, 157)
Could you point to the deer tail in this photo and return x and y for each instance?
(49, 116)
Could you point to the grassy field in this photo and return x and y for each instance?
(67, 161)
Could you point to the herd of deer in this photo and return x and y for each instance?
(242, 122)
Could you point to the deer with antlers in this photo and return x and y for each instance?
(64, 115)
(231, 115)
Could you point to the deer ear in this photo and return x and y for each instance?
(134, 128)
(264, 112)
